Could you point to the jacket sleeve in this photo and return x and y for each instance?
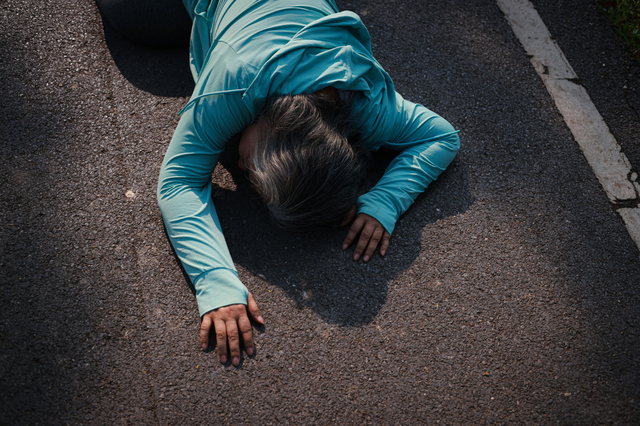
(427, 144)
(184, 197)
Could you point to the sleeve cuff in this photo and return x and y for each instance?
(377, 208)
(218, 288)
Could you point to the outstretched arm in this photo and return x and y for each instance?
(184, 197)
(427, 145)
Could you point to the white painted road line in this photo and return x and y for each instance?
(631, 218)
(592, 134)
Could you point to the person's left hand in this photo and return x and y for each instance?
(371, 233)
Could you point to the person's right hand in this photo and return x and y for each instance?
(229, 323)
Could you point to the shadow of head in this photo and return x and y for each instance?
(311, 267)
(149, 45)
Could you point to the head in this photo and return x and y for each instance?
(306, 161)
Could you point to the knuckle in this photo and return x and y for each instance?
(221, 335)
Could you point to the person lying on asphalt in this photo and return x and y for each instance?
(298, 80)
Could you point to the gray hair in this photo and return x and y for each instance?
(309, 165)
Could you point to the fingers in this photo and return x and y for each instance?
(221, 339)
(231, 324)
(371, 233)
(373, 242)
(355, 229)
(245, 330)
(254, 311)
(365, 237)
(385, 243)
(234, 341)
(204, 331)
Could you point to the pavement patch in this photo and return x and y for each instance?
(603, 153)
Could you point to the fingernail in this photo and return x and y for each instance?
(344, 246)
(204, 346)
(382, 252)
(366, 258)
(356, 256)
(249, 351)
(223, 359)
(260, 320)
(236, 361)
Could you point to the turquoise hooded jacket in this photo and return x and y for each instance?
(244, 52)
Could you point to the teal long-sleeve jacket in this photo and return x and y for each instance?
(242, 53)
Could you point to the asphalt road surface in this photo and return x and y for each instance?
(510, 293)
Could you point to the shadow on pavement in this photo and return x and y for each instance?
(161, 71)
(311, 267)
